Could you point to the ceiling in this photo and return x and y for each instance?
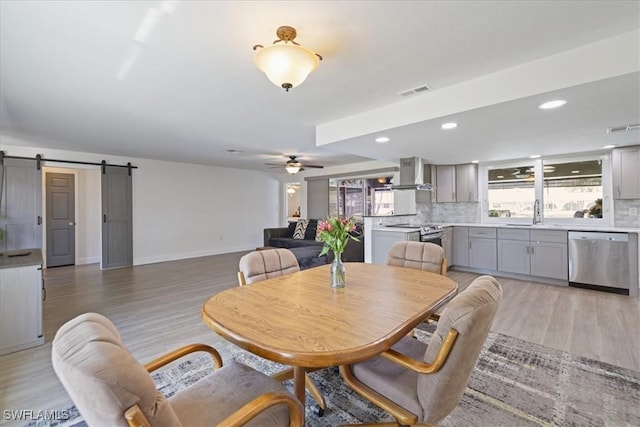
(82, 76)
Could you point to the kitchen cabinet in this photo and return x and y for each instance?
(460, 246)
(467, 183)
(21, 294)
(447, 244)
(625, 164)
(457, 183)
(383, 240)
(482, 248)
(445, 183)
(549, 257)
(540, 253)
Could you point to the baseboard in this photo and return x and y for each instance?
(187, 255)
(88, 260)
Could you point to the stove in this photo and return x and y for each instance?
(431, 233)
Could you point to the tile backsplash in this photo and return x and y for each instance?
(622, 215)
(451, 212)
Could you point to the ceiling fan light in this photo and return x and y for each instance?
(291, 190)
(292, 169)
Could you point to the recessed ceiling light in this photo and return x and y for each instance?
(382, 139)
(500, 176)
(575, 171)
(608, 146)
(535, 156)
(232, 151)
(475, 161)
(450, 125)
(552, 104)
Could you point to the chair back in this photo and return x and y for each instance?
(261, 265)
(419, 255)
(470, 313)
(102, 377)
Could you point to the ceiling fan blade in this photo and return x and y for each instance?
(275, 164)
(312, 166)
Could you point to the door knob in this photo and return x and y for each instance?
(71, 223)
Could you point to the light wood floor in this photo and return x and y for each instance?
(156, 307)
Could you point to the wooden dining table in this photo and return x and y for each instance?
(301, 321)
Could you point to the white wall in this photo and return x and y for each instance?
(183, 210)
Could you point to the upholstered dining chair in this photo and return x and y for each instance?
(265, 264)
(419, 382)
(419, 255)
(110, 388)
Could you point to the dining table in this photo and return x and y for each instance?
(299, 320)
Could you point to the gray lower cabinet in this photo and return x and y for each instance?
(541, 253)
(483, 251)
(460, 246)
(549, 259)
(382, 241)
(513, 256)
(447, 244)
(20, 308)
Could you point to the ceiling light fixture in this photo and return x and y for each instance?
(292, 169)
(288, 64)
(608, 146)
(382, 139)
(450, 125)
(535, 156)
(475, 161)
(552, 104)
(575, 171)
(291, 190)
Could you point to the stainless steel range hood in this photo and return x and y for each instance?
(414, 175)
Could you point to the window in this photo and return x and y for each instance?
(360, 196)
(511, 192)
(569, 190)
(573, 189)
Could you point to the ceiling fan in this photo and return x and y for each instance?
(293, 165)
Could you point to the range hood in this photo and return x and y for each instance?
(414, 175)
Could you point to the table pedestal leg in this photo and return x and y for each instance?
(298, 382)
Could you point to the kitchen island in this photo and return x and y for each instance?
(21, 296)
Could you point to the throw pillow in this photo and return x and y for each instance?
(301, 227)
(291, 228)
(310, 233)
(318, 233)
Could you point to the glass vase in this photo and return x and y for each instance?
(338, 277)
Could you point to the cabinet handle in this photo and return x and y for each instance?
(533, 250)
(469, 244)
(104, 218)
(39, 220)
(44, 291)
(528, 251)
(618, 190)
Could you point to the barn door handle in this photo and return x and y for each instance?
(39, 220)
(104, 218)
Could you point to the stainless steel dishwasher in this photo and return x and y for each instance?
(604, 261)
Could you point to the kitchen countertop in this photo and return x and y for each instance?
(568, 227)
(10, 259)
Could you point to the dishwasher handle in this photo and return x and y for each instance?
(598, 235)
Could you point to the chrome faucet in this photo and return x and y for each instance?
(537, 219)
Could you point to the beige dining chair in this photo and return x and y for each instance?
(419, 382)
(111, 388)
(266, 264)
(419, 255)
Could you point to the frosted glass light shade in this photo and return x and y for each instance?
(286, 65)
(292, 169)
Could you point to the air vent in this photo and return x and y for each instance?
(623, 128)
(415, 91)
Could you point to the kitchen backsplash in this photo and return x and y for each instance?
(451, 212)
(622, 217)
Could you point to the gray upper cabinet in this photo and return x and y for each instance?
(467, 183)
(445, 183)
(456, 183)
(625, 163)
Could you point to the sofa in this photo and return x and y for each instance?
(304, 248)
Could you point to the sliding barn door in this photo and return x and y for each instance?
(117, 214)
(20, 204)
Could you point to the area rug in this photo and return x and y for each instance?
(515, 383)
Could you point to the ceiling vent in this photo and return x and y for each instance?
(623, 128)
(415, 91)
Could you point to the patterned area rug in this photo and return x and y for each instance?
(515, 383)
